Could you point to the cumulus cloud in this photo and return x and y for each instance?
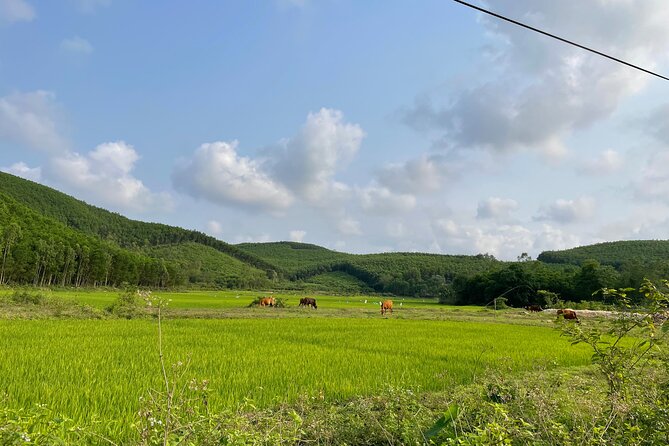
(496, 208)
(217, 173)
(607, 162)
(22, 170)
(349, 226)
(471, 239)
(381, 201)
(657, 124)
(297, 235)
(424, 174)
(30, 119)
(653, 183)
(214, 228)
(395, 229)
(302, 166)
(503, 241)
(76, 45)
(16, 11)
(105, 174)
(538, 91)
(551, 238)
(307, 162)
(568, 211)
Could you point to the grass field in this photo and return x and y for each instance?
(241, 299)
(100, 368)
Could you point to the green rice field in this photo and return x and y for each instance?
(91, 368)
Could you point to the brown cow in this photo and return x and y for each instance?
(267, 302)
(386, 305)
(308, 302)
(535, 308)
(568, 314)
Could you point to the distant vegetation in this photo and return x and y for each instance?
(50, 239)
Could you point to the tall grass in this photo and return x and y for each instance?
(87, 369)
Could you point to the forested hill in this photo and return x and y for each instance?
(49, 238)
(110, 226)
(618, 254)
(401, 273)
(292, 257)
(42, 251)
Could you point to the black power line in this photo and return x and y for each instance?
(559, 38)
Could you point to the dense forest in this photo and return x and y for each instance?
(41, 251)
(48, 238)
(110, 226)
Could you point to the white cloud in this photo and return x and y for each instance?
(214, 228)
(424, 174)
(500, 241)
(16, 11)
(22, 170)
(496, 208)
(653, 183)
(105, 175)
(297, 235)
(568, 211)
(395, 229)
(257, 238)
(657, 124)
(349, 226)
(381, 201)
(76, 45)
(550, 238)
(307, 162)
(538, 91)
(30, 119)
(217, 173)
(607, 162)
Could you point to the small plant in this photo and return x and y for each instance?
(24, 297)
(626, 343)
(128, 305)
(37, 425)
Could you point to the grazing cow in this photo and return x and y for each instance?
(267, 302)
(535, 308)
(386, 305)
(308, 302)
(568, 314)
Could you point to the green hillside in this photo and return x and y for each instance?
(202, 264)
(109, 225)
(398, 273)
(42, 251)
(292, 257)
(616, 254)
(49, 238)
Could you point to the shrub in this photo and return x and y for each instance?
(128, 305)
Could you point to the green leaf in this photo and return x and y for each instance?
(443, 422)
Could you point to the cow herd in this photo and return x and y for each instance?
(269, 301)
(387, 305)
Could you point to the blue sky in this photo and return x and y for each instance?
(360, 126)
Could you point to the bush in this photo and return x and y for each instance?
(25, 297)
(128, 305)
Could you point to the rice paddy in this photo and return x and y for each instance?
(89, 369)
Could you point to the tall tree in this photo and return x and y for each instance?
(10, 235)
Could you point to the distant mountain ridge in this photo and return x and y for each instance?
(615, 254)
(165, 255)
